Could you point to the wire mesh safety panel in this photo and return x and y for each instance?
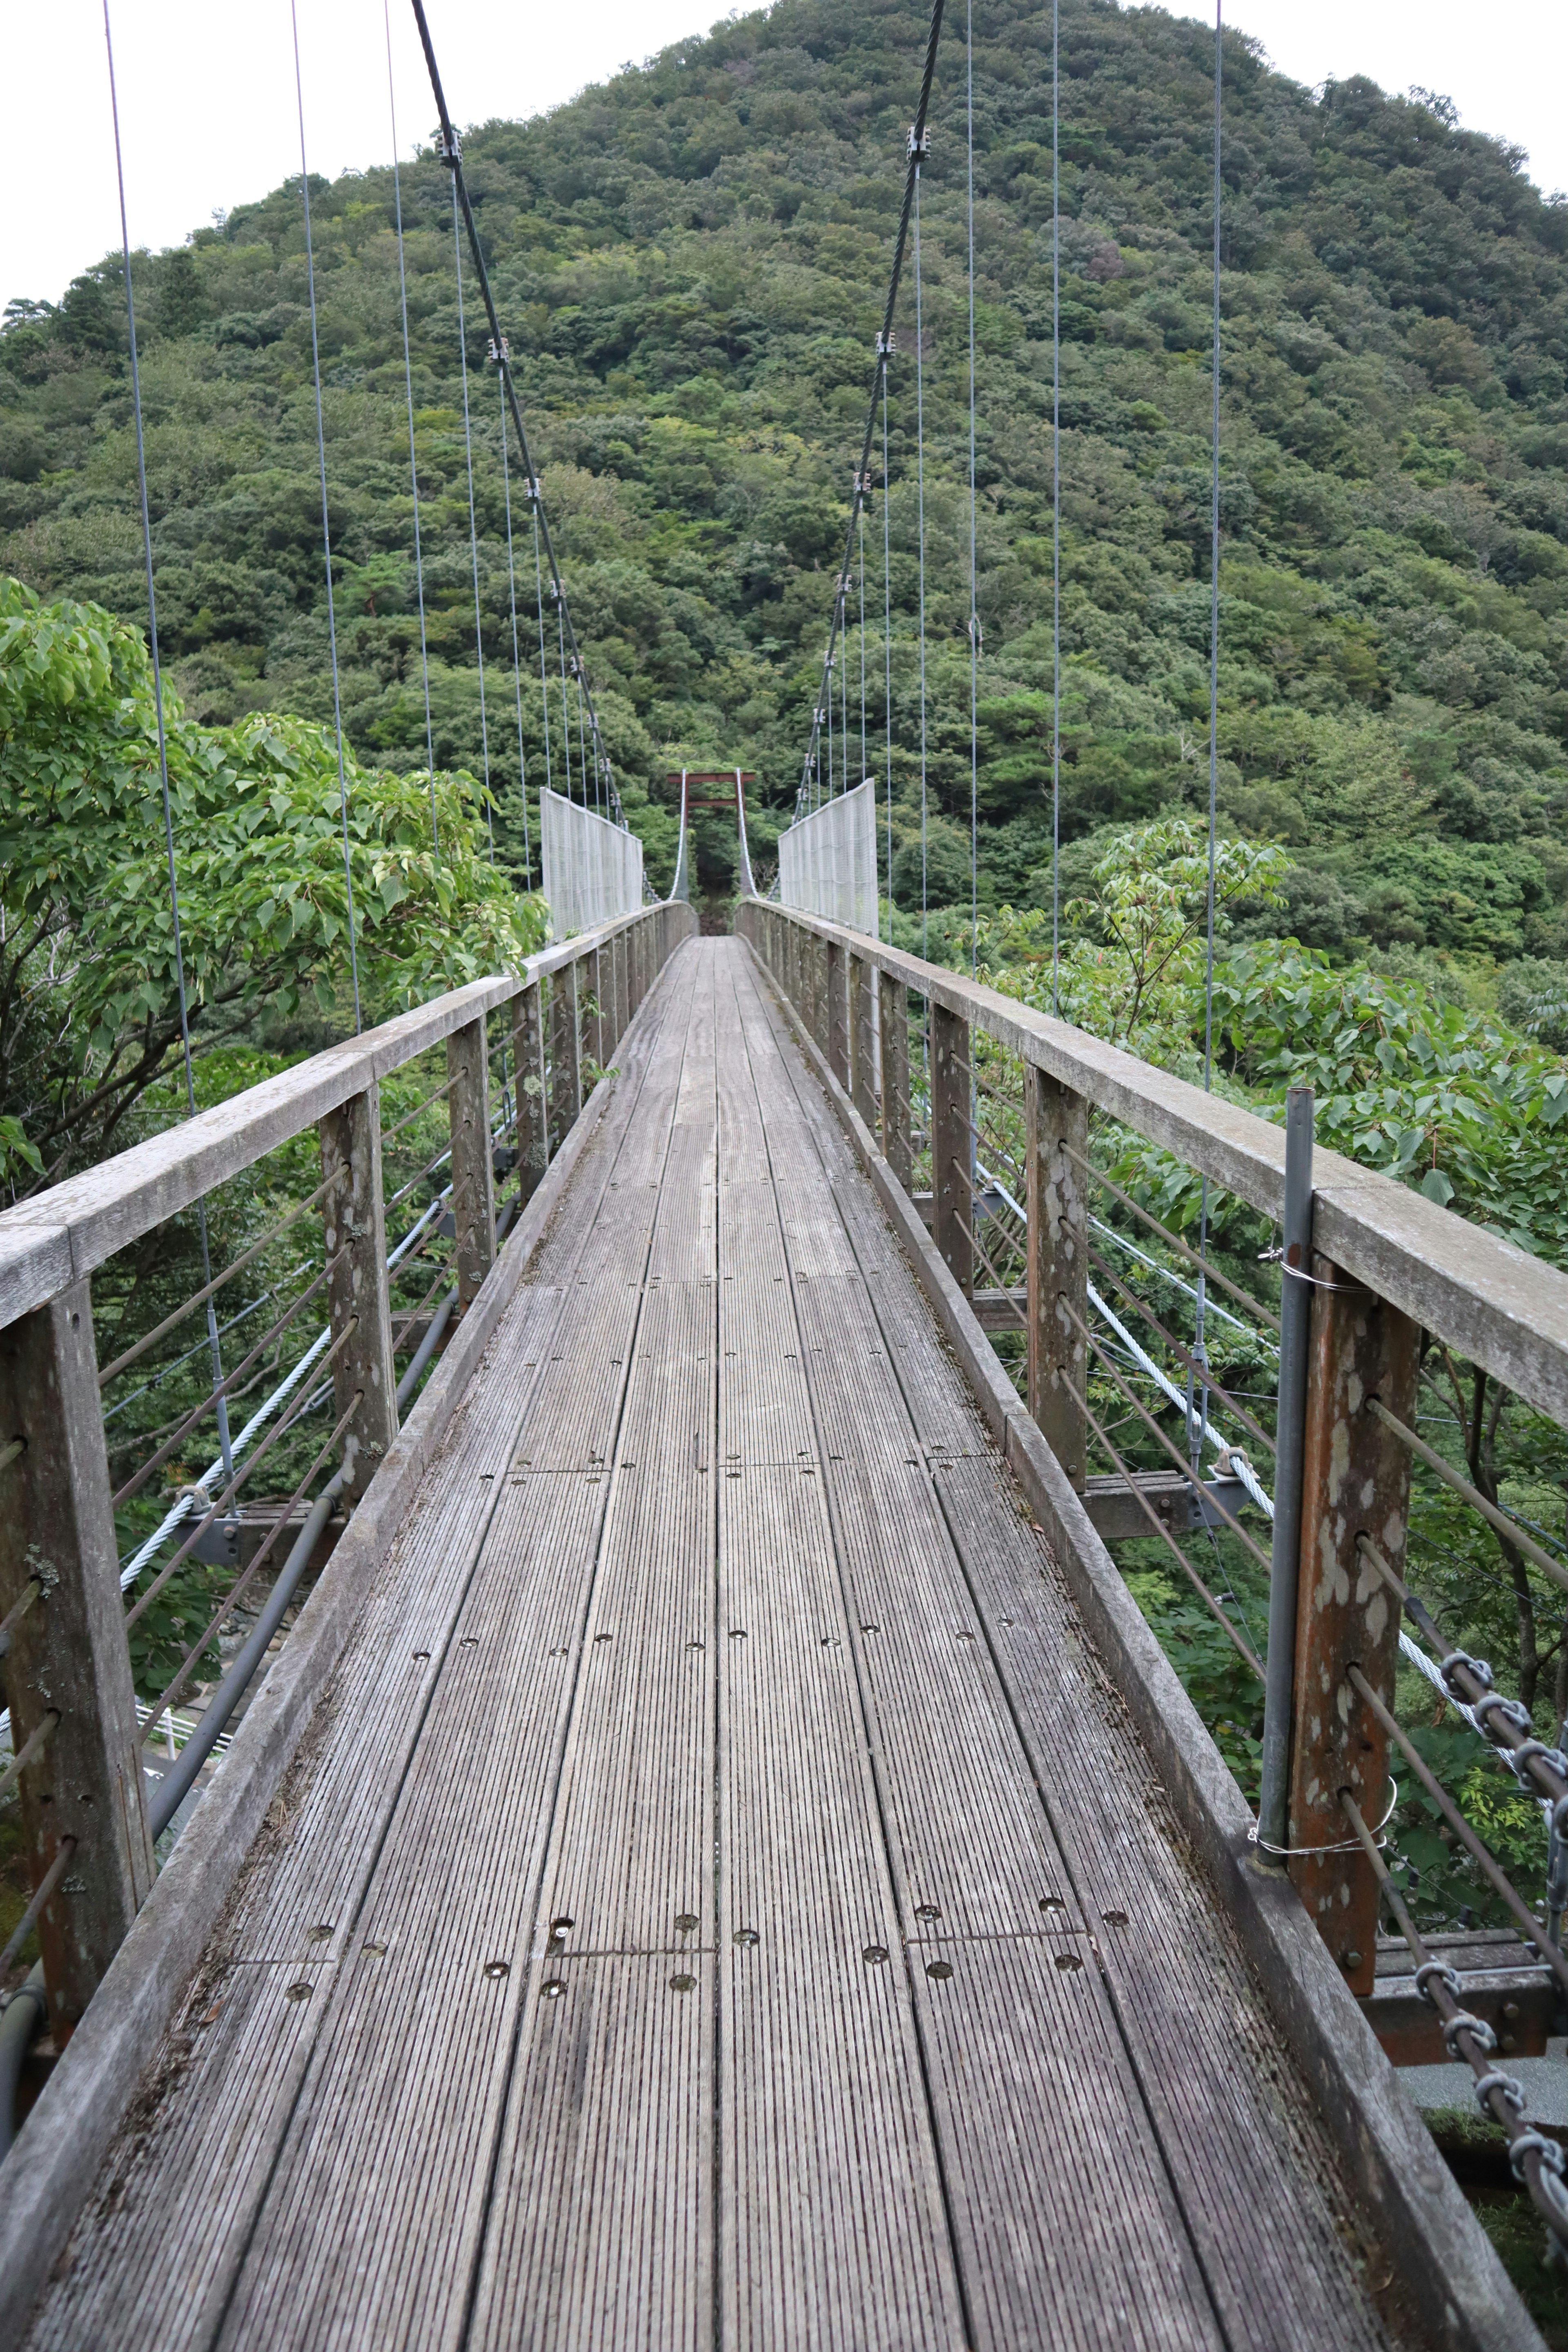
(593, 869)
(827, 862)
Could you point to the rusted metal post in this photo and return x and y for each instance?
(68, 1655)
(952, 1161)
(1056, 1124)
(894, 1042)
(863, 1038)
(355, 1230)
(565, 1066)
(1291, 1421)
(837, 1012)
(532, 1115)
(1355, 1480)
(473, 1182)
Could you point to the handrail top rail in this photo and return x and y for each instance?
(1504, 1309)
(53, 1240)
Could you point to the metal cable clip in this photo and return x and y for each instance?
(1479, 2032)
(449, 148)
(918, 140)
(499, 351)
(886, 344)
(1509, 1709)
(1521, 1757)
(1445, 1976)
(1548, 2151)
(1510, 2086)
(1477, 1666)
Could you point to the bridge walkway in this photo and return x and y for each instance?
(720, 1900)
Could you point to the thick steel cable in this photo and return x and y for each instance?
(326, 523)
(473, 523)
(214, 1348)
(1185, 1250)
(450, 151)
(412, 461)
(1226, 1397)
(1055, 507)
(916, 148)
(921, 516)
(167, 1372)
(516, 652)
(544, 674)
(973, 556)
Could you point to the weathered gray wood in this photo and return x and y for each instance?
(354, 1231)
(473, 1176)
(952, 1157)
(894, 1042)
(532, 1100)
(838, 980)
(68, 1655)
(1355, 1479)
(566, 1053)
(595, 970)
(1056, 1125)
(863, 1037)
(1495, 1304)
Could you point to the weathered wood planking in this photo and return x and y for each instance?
(718, 1653)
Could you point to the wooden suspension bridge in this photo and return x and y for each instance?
(720, 1858)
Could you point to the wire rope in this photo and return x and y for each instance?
(565, 706)
(1055, 507)
(214, 1347)
(473, 523)
(844, 679)
(920, 512)
(973, 552)
(516, 654)
(861, 522)
(412, 459)
(887, 638)
(543, 676)
(326, 520)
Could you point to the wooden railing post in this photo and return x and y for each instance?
(67, 1656)
(532, 1113)
(836, 1010)
(951, 1158)
(565, 1066)
(596, 964)
(615, 959)
(473, 1179)
(356, 1227)
(1355, 1479)
(1056, 1122)
(895, 1049)
(863, 1039)
(817, 983)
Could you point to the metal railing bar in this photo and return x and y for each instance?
(415, 1181)
(33, 1746)
(1211, 1305)
(17, 1611)
(28, 1920)
(199, 1412)
(12, 1450)
(236, 1483)
(1199, 1371)
(166, 1371)
(1172, 1240)
(1508, 1528)
(410, 1116)
(1005, 1288)
(111, 1372)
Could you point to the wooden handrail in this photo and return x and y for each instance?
(49, 1242)
(1502, 1309)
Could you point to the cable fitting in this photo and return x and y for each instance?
(1445, 1976)
(449, 148)
(1535, 1751)
(887, 345)
(501, 352)
(533, 490)
(1477, 2029)
(1510, 2086)
(1477, 1666)
(1537, 2143)
(918, 142)
(1516, 1717)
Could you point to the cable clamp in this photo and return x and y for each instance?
(1527, 2143)
(863, 482)
(1477, 1666)
(1300, 1274)
(1508, 2084)
(1446, 1976)
(977, 632)
(449, 148)
(918, 142)
(1477, 2029)
(501, 352)
(887, 345)
(533, 490)
(1519, 1760)
(1513, 1714)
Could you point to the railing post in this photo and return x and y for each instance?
(68, 1654)
(617, 984)
(1057, 1123)
(895, 1049)
(1291, 1416)
(597, 1021)
(837, 1013)
(862, 1039)
(1355, 1480)
(532, 1120)
(565, 1069)
(473, 1177)
(355, 1226)
(820, 968)
(951, 1158)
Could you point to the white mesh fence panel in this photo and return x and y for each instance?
(592, 870)
(827, 863)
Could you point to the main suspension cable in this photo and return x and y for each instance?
(412, 459)
(326, 522)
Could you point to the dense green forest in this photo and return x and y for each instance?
(690, 263)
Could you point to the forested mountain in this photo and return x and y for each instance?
(689, 264)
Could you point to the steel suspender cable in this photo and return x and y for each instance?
(516, 656)
(861, 562)
(473, 523)
(1055, 507)
(539, 595)
(412, 461)
(844, 677)
(921, 519)
(213, 1345)
(565, 712)
(974, 573)
(888, 642)
(326, 523)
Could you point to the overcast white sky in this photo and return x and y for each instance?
(206, 92)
